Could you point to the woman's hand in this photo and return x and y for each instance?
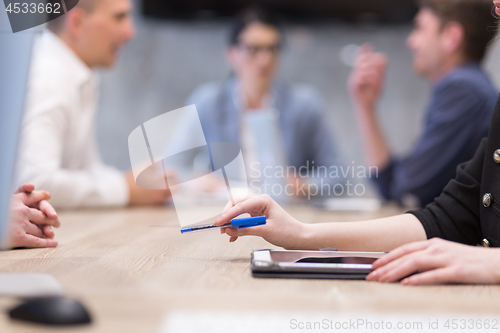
(438, 261)
(281, 229)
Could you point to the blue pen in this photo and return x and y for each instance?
(241, 223)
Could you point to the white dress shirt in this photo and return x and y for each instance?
(58, 146)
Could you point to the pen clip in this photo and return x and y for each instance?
(252, 225)
(248, 222)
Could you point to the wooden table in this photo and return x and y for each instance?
(130, 267)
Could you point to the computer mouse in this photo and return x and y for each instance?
(52, 310)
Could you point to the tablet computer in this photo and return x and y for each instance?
(312, 264)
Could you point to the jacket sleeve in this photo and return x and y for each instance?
(454, 215)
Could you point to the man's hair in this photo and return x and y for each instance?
(475, 16)
(248, 16)
(57, 24)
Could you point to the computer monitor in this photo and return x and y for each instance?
(15, 55)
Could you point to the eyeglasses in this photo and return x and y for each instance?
(253, 50)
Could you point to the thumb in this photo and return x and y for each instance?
(35, 197)
(26, 187)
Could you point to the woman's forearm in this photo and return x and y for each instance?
(373, 235)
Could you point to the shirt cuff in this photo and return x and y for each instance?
(113, 189)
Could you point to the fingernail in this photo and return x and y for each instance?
(372, 276)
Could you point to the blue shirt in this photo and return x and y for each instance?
(457, 118)
(307, 139)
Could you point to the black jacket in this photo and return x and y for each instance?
(468, 209)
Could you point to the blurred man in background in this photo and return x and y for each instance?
(58, 151)
(448, 43)
(32, 219)
(296, 135)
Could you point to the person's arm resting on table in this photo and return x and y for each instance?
(96, 185)
(285, 231)
(454, 215)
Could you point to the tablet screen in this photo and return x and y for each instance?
(338, 260)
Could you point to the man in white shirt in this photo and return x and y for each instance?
(59, 152)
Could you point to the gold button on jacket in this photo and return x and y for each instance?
(487, 199)
(496, 156)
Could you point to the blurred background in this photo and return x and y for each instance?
(180, 45)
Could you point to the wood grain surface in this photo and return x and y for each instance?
(132, 266)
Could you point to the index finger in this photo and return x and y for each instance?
(37, 217)
(254, 205)
(49, 211)
(234, 202)
(399, 252)
(35, 197)
(228, 206)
